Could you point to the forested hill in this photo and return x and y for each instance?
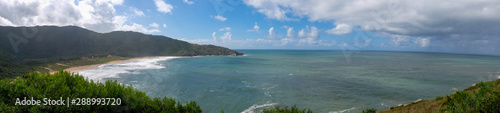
(27, 49)
(51, 41)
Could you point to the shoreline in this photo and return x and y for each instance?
(86, 67)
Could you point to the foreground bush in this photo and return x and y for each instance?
(484, 98)
(64, 84)
(371, 110)
(285, 109)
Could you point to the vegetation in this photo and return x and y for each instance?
(26, 49)
(69, 41)
(285, 109)
(483, 97)
(371, 110)
(64, 84)
(9, 68)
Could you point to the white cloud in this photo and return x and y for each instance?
(163, 7)
(309, 35)
(290, 33)
(263, 40)
(273, 34)
(225, 28)
(94, 15)
(214, 35)
(255, 28)
(340, 29)
(422, 42)
(395, 16)
(286, 41)
(138, 28)
(313, 32)
(397, 40)
(226, 37)
(472, 20)
(218, 17)
(270, 8)
(136, 11)
(117, 2)
(271, 31)
(165, 25)
(154, 25)
(188, 2)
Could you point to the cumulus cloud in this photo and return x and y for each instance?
(154, 25)
(136, 11)
(395, 16)
(273, 34)
(271, 31)
(214, 35)
(406, 41)
(289, 32)
(188, 2)
(312, 32)
(165, 25)
(138, 28)
(225, 28)
(94, 15)
(163, 7)
(471, 20)
(340, 29)
(422, 42)
(263, 40)
(255, 28)
(286, 41)
(271, 8)
(397, 40)
(226, 37)
(116, 2)
(218, 17)
(309, 36)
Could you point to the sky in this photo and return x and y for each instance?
(455, 26)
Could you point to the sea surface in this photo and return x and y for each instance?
(324, 81)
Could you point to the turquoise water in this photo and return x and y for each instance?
(323, 81)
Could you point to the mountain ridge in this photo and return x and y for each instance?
(54, 41)
(27, 49)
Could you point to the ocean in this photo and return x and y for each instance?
(325, 81)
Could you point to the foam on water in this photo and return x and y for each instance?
(343, 111)
(253, 109)
(112, 70)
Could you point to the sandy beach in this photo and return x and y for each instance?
(79, 68)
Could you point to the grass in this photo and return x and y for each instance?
(483, 97)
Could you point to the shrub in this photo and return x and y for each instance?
(485, 99)
(64, 84)
(439, 97)
(285, 109)
(371, 110)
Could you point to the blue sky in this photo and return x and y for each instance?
(400, 25)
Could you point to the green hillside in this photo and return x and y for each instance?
(52, 41)
(483, 97)
(26, 49)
